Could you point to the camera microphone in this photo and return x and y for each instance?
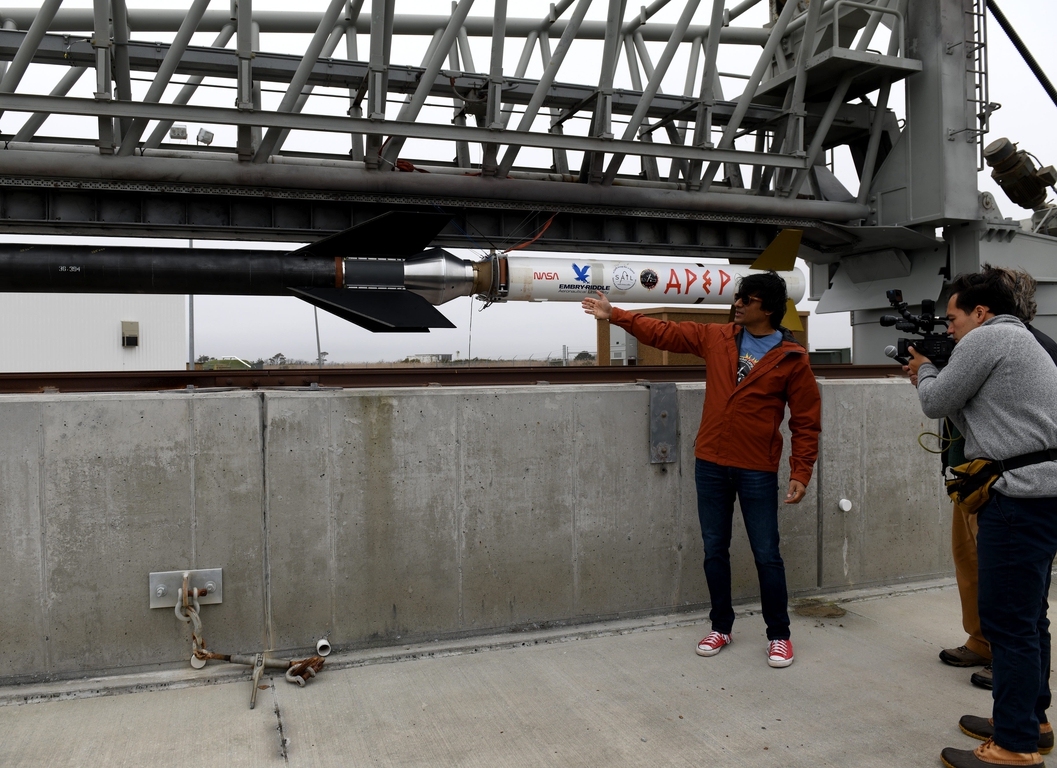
(890, 351)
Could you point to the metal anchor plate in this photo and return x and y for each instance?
(165, 586)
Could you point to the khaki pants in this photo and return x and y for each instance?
(963, 546)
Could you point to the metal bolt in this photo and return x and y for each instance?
(211, 587)
(160, 591)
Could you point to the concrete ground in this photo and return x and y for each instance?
(866, 689)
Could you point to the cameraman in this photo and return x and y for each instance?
(1000, 390)
(977, 650)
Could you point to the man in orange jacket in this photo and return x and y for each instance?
(755, 367)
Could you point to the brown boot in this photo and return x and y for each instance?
(983, 728)
(989, 754)
(962, 657)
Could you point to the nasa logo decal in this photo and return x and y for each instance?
(648, 278)
(623, 278)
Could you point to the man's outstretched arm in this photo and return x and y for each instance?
(663, 334)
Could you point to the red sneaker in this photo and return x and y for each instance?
(780, 653)
(713, 644)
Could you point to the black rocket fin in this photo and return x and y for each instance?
(378, 311)
(396, 234)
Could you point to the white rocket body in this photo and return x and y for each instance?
(654, 282)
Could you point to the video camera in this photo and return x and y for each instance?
(937, 347)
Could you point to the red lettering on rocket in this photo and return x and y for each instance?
(724, 278)
(673, 282)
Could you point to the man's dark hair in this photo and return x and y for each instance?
(988, 288)
(1023, 287)
(770, 288)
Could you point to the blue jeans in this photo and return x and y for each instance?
(758, 494)
(1016, 546)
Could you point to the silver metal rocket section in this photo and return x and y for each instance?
(439, 277)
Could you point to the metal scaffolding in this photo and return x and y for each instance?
(633, 169)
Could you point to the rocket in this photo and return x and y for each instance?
(383, 276)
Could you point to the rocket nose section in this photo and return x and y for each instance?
(438, 277)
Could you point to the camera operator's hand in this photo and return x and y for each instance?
(916, 361)
(796, 492)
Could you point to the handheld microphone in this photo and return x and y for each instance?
(890, 351)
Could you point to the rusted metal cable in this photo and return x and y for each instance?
(298, 671)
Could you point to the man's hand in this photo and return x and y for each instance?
(600, 307)
(796, 492)
(916, 361)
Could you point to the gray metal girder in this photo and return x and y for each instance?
(127, 209)
(18, 102)
(293, 22)
(338, 73)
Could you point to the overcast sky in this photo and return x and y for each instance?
(252, 327)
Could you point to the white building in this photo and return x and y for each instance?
(49, 332)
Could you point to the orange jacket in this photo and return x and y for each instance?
(740, 422)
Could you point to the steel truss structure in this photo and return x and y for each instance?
(737, 169)
(547, 154)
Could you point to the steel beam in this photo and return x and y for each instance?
(494, 106)
(190, 170)
(293, 22)
(870, 163)
(122, 71)
(165, 73)
(411, 108)
(591, 170)
(101, 55)
(352, 13)
(328, 48)
(270, 142)
(709, 81)
(128, 209)
(162, 129)
(820, 135)
(544, 84)
(32, 125)
(559, 155)
(794, 120)
(280, 68)
(20, 102)
(459, 58)
(729, 132)
(377, 86)
(246, 139)
(38, 28)
(659, 71)
(666, 122)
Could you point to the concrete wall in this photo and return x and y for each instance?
(381, 516)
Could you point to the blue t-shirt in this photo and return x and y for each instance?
(751, 350)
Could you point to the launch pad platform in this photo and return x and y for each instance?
(866, 689)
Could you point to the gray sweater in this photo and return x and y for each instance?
(1000, 390)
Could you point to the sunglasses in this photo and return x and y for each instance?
(745, 299)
